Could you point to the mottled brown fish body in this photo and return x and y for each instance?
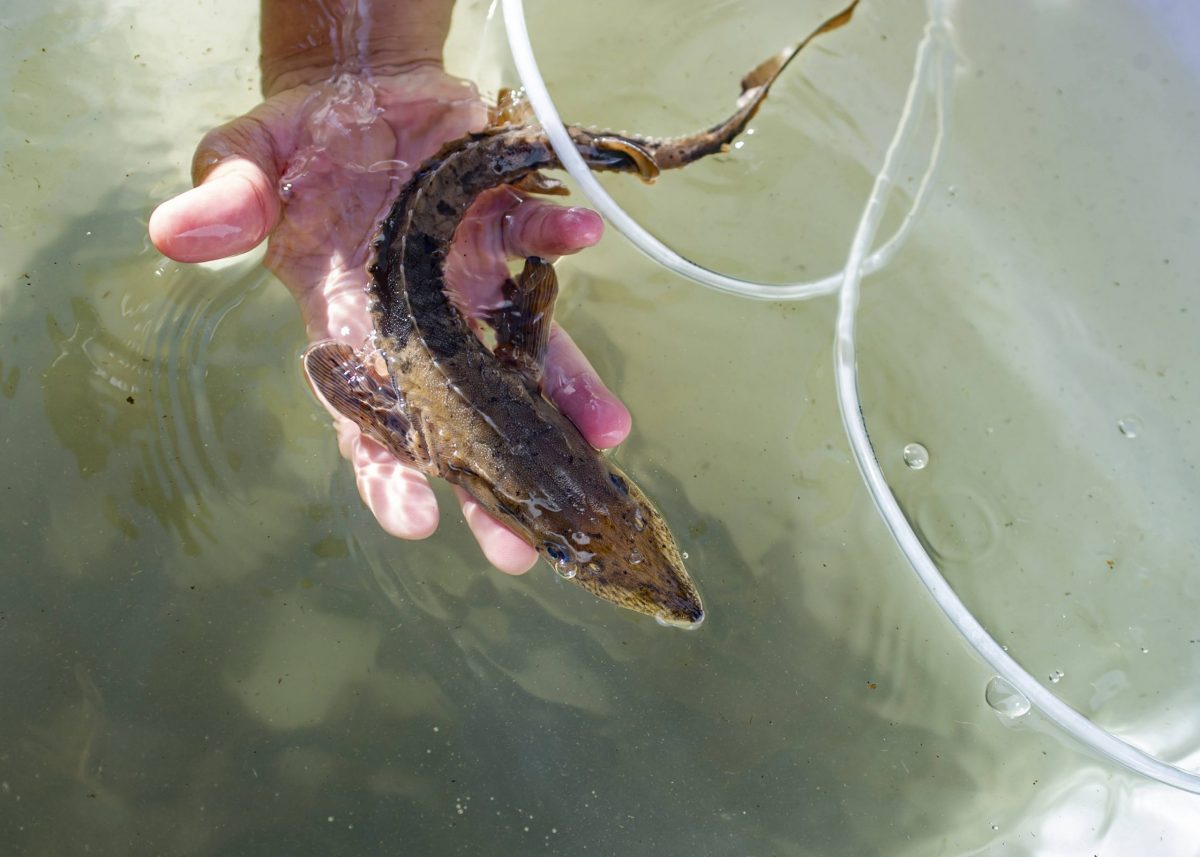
(476, 417)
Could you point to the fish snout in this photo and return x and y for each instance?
(686, 613)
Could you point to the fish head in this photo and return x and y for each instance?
(620, 549)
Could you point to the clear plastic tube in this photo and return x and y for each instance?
(934, 66)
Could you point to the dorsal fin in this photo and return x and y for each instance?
(522, 325)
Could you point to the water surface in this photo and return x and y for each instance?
(211, 649)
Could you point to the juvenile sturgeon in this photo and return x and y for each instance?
(445, 404)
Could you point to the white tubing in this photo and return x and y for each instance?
(935, 57)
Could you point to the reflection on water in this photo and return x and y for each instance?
(213, 650)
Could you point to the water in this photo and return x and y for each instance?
(916, 456)
(211, 649)
(1006, 699)
(1129, 426)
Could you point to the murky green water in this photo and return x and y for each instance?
(209, 648)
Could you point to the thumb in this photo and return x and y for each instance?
(234, 204)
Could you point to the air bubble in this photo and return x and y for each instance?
(1006, 699)
(1056, 676)
(916, 456)
(1129, 426)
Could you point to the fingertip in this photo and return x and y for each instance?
(581, 227)
(503, 548)
(537, 228)
(170, 225)
(611, 424)
(417, 521)
(513, 557)
(159, 227)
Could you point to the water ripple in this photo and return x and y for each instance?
(130, 378)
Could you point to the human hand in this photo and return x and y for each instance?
(313, 169)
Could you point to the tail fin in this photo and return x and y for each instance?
(680, 151)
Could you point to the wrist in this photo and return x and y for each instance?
(307, 41)
(284, 73)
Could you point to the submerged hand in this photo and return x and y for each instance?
(314, 168)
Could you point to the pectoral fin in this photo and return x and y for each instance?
(523, 325)
(340, 378)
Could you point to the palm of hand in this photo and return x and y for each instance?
(316, 167)
(346, 147)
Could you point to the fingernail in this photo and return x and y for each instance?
(220, 231)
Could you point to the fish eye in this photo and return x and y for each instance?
(556, 552)
(618, 483)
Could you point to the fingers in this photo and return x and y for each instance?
(398, 496)
(537, 228)
(573, 385)
(504, 223)
(501, 546)
(235, 204)
(405, 506)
